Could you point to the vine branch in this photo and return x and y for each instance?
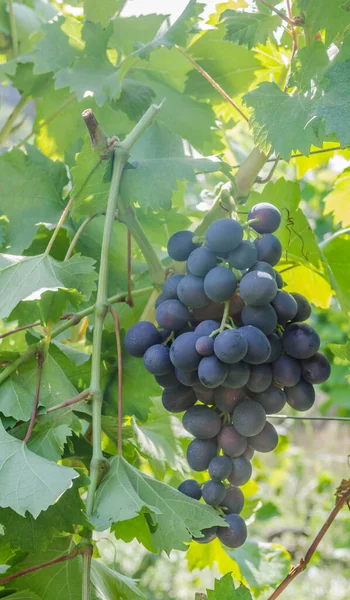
(85, 395)
(6, 130)
(77, 235)
(120, 378)
(36, 399)
(284, 17)
(17, 329)
(13, 27)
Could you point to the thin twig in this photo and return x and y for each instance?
(120, 378)
(262, 180)
(295, 39)
(278, 12)
(129, 300)
(13, 26)
(212, 82)
(343, 497)
(36, 399)
(77, 235)
(55, 561)
(299, 155)
(17, 329)
(82, 396)
(7, 128)
(299, 418)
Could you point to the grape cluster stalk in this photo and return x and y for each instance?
(231, 348)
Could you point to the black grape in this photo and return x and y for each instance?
(269, 217)
(263, 266)
(226, 399)
(235, 535)
(189, 378)
(161, 298)
(173, 315)
(237, 376)
(203, 393)
(257, 288)
(191, 292)
(241, 471)
(224, 235)
(244, 256)
(230, 346)
(285, 306)
(301, 396)
(219, 284)
(191, 488)
(164, 335)
(167, 380)
(207, 327)
(272, 400)
(205, 345)
(213, 492)
(202, 422)
(157, 360)
(180, 245)
(300, 340)
(266, 440)
(200, 261)
(248, 452)
(276, 347)
(212, 372)
(220, 468)
(233, 501)
(170, 287)
(286, 371)
(316, 369)
(269, 248)
(249, 418)
(200, 453)
(140, 337)
(183, 353)
(304, 308)
(262, 317)
(231, 442)
(259, 348)
(260, 378)
(279, 280)
(178, 398)
(209, 534)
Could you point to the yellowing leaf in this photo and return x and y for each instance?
(309, 283)
(337, 202)
(214, 18)
(200, 556)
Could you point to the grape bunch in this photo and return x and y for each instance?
(231, 348)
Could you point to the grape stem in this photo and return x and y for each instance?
(299, 418)
(250, 222)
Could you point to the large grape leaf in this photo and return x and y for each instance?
(224, 588)
(337, 201)
(336, 250)
(125, 492)
(87, 75)
(54, 52)
(112, 584)
(251, 28)
(25, 595)
(273, 111)
(30, 186)
(29, 482)
(127, 31)
(333, 16)
(101, 11)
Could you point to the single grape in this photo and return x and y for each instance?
(272, 400)
(236, 306)
(161, 298)
(219, 284)
(140, 337)
(183, 353)
(178, 398)
(200, 261)
(304, 308)
(269, 248)
(237, 376)
(233, 501)
(285, 306)
(205, 345)
(207, 327)
(220, 468)
(180, 245)
(300, 340)
(248, 453)
(259, 348)
(279, 280)
(263, 266)
(276, 347)
(249, 418)
(269, 217)
(235, 535)
(157, 361)
(231, 442)
(230, 346)
(266, 440)
(209, 534)
(286, 371)
(213, 492)
(189, 378)
(202, 422)
(257, 288)
(214, 310)
(260, 378)
(170, 287)
(241, 471)
(244, 256)
(191, 488)
(167, 380)
(212, 372)
(204, 394)
(301, 396)
(172, 314)
(316, 369)
(191, 292)
(200, 453)
(224, 235)
(226, 399)
(262, 317)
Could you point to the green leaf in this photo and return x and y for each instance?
(224, 588)
(336, 250)
(337, 201)
(135, 98)
(31, 186)
(333, 16)
(29, 482)
(15, 400)
(112, 584)
(129, 30)
(309, 65)
(273, 111)
(136, 528)
(268, 510)
(54, 52)
(334, 105)
(29, 277)
(48, 441)
(125, 492)
(101, 11)
(25, 595)
(249, 28)
(87, 76)
(341, 351)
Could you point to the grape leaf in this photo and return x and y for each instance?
(54, 52)
(336, 250)
(273, 111)
(136, 528)
(48, 441)
(333, 16)
(341, 351)
(337, 201)
(334, 105)
(309, 65)
(25, 595)
(101, 11)
(203, 556)
(29, 482)
(31, 185)
(15, 400)
(112, 584)
(87, 76)
(125, 492)
(224, 588)
(249, 28)
(129, 30)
